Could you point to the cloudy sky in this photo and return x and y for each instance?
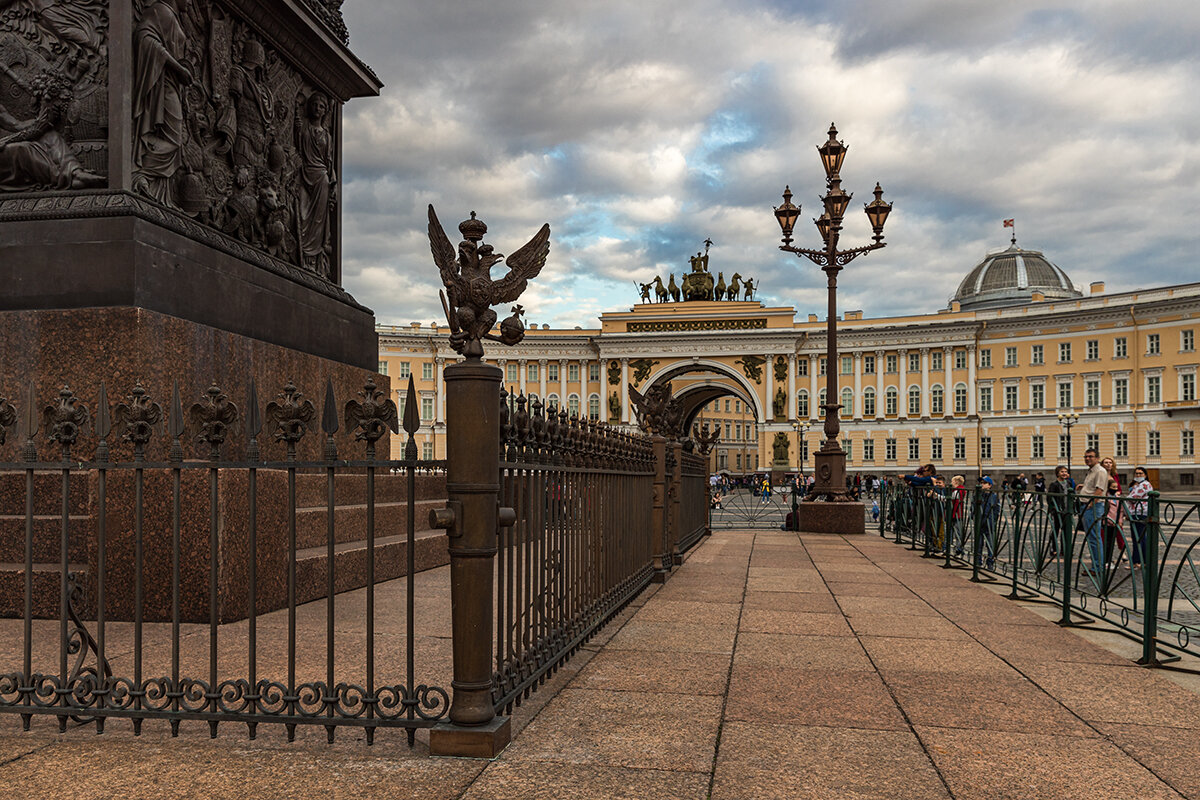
(638, 129)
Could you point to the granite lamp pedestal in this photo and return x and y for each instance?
(832, 517)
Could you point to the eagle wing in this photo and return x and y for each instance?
(524, 264)
(443, 256)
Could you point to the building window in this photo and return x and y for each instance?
(1010, 398)
(821, 366)
(1064, 352)
(401, 404)
(848, 446)
(1152, 344)
(868, 402)
(1121, 391)
(890, 401)
(1038, 355)
(383, 368)
(868, 449)
(1062, 445)
(914, 362)
(914, 401)
(511, 373)
(1010, 356)
(427, 371)
(960, 448)
(427, 451)
(531, 372)
(728, 437)
(1154, 444)
(573, 405)
(803, 449)
(1037, 446)
(1187, 341)
(802, 366)
(960, 399)
(426, 408)
(594, 407)
(1037, 397)
(1093, 349)
(594, 372)
(1187, 387)
(1121, 445)
(821, 399)
(552, 404)
(801, 404)
(573, 373)
(936, 361)
(892, 367)
(405, 369)
(1093, 441)
(914, 449)
(937, 400)
(1153, 389)
(1120, 347)
(960, 359)
(868, 365)
(985, 448)
(847, 403)
(738, 460)
(552, 372)
(1064, 395)
(728, 403)
(935, 449)
(1010, 448)
(889, 449)
(985, 357)
(1187, 443)
(1091, 393)
(847, 365)
(985, 399)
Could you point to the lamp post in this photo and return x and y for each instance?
(830, 461)
(1068, 421)
(801, 428)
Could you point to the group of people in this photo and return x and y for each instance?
(1099, 507)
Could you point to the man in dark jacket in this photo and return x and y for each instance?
(1061, 495)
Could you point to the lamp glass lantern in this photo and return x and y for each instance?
(832, 153)
(787, 214)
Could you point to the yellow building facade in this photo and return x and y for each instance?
(976, 388)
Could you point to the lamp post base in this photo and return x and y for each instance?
(836, 517)
(830, 469)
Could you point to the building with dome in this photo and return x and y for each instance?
(976, 388)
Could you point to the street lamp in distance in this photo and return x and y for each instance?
(1067, 421)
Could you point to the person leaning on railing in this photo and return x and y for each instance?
(1090, 492)
(1138, 510)
(1060, 495)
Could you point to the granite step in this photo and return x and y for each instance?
(46, 586)
(351, 488)
(47, 528)
(350, 562)
(350, 521)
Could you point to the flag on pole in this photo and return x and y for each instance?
(1008, 223)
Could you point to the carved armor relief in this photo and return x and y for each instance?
(229, 133)
(53, 94)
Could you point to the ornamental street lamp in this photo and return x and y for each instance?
(801, 428)
(830, 460)
(1068, 421)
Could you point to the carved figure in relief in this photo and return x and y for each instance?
(251, 107)
(780, 447)
(317, 185)
(73, 28)
(779, 404)
(641, 369)
(614, 407)
(752, 366)
(241, 209)
(159, 80)
(614, 372)
(34, 154)
(780, 369)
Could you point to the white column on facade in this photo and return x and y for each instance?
(815, 391)
(625, 390)
(925, 408)
(521, 372)
(542, 379)
(972, 392)
(948, 392)
(791, 390)
(502, 363)
(439, 388)
(902, 404)
(879, 404)
(858, 404)
(769, 407)
(562, 382)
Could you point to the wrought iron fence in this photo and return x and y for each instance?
(581, 546)
(693, 494)
(146, 547)
(1129, 561)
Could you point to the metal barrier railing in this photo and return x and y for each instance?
(694, 502)
(1131, 562)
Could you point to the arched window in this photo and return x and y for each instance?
(868, 402)
(594, 407)
(552, 402)
(573, 405)
(914, 401)
(847, 403)
(802, 404)
(960, 398)
(890, 404)
(937, 400)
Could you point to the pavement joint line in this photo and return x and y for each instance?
(712, 775)
(1014, 668)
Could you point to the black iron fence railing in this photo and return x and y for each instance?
(581, 546)
(125, 577)
(694, 499)
(1129, 561)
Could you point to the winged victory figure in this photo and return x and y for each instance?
(470, 290)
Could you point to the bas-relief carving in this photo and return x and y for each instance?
(228, 133)
(53, 94)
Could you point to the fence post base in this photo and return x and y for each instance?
(470, 741)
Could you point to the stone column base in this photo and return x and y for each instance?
(832, 517)
(470, 741)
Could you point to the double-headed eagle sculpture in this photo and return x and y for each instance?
(470, 290)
